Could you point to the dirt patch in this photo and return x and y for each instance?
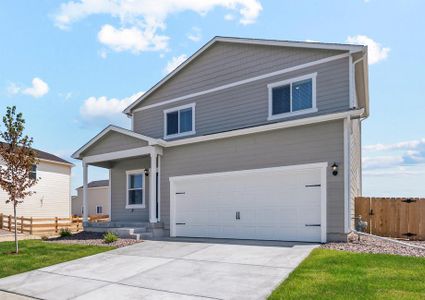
(370, 244)
(92, 239)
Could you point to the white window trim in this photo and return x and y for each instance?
(313, 109)
(101, 208)
(178, 108)
(133, 172)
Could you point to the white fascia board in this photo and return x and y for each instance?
(124, 131)
(296, 44)
(311, 45)
(264, 128)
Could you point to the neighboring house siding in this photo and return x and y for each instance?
(119, 191)
(224, 63)
(247, 105)
(114, 141)
(52, 196)
(356, 164)
(299, 145)
(97, 196)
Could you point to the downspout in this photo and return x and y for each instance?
(347, 141)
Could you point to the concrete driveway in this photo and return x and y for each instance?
(172, 269)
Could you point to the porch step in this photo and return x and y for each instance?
(141, 231)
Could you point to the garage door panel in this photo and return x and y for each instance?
(270, 205)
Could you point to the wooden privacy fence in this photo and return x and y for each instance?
(42, 226)
(393, 217)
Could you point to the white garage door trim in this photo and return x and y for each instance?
(323, 202)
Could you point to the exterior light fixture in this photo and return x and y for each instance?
(334, 169)
(146, 172)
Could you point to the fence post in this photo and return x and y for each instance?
(10, 223)
(1, 221)
(56, 224)
(31, 226)
(22, 224)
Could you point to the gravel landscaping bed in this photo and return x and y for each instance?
(417, 243)
(370, 244)
(92, 239)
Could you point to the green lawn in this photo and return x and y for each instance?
(36, 254)
(331, 274)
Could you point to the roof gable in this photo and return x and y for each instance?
(111, 139)
(240, 55)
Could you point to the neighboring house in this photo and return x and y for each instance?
(52, 196)
(98, 199)
(248, 138)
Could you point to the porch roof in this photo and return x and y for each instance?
(137, 140)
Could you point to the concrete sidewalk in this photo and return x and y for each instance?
(172, 269)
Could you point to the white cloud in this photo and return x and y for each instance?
(195, 35)
(405, 153)
(229, 17)
(103, 53)
(38, 89)
(132, 39)
(140, 21)
(376, 52)
(174, 63)
(101, 110)
(406, 145)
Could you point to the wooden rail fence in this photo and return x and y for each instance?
(402, 218)
(46, 226)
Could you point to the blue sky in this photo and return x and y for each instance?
(71, 67)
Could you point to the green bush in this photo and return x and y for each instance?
(65, 232)
(110, 237)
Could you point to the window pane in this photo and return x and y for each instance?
(135, 197)
(186, 120)
(302, 95)
(135, 181)
(281, 99)
(172, 122)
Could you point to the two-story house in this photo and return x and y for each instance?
(247, 139)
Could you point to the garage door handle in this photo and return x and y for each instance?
(312, 225)
(180, 223)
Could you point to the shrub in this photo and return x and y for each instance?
(44, 238)
(110, 237)
(65, 232)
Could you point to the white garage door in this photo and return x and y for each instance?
(283, 203)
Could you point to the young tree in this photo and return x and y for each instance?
(17, 159)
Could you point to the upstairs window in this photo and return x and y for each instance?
(179, 121)
(99, 210)
(33, 173)
(292, 97)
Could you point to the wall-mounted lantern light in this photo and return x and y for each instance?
(146, 172)
(334, 169)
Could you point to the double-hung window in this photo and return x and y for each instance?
(33, 173)
(292, 97)
(179, 121)
(135, 189)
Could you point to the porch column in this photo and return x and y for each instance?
(85, 180)
(152, 188)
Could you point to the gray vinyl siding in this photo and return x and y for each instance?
(299, 145)
(224, 63)
(114, 141)
(247, 105)
(119, 191)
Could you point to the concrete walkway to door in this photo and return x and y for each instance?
(167, 269)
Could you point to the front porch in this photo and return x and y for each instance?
(134, 165)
